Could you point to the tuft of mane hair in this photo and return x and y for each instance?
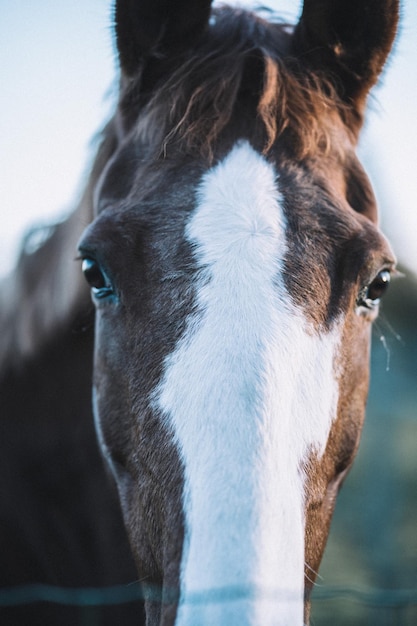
(242, 56)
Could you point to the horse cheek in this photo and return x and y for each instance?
(326, 474)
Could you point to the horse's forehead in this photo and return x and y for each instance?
(170, 185)
(240, 189)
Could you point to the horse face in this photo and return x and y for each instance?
(235, 284)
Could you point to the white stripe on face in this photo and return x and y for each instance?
(248, 392)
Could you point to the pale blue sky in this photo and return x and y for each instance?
(56, 67)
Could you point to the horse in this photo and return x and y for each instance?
(236, 265)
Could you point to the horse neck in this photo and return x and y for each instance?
(42, 292)
(46, 290)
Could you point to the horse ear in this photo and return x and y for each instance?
(349, 40)
(157, 28)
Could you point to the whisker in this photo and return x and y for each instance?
(379, 326)
(391, 329)
(387, 351)
(316, 574)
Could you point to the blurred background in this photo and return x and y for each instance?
(58, 87)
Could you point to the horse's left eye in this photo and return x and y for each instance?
(96, 278)
(374, 292)
(378, 286)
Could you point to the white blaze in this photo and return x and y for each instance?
(247, 392)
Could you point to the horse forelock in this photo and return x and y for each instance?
(242, 59)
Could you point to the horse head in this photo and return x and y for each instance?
(236, 265)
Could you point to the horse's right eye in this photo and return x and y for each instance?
(96, 278)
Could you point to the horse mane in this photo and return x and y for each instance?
(46, 290)
(240, 57)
